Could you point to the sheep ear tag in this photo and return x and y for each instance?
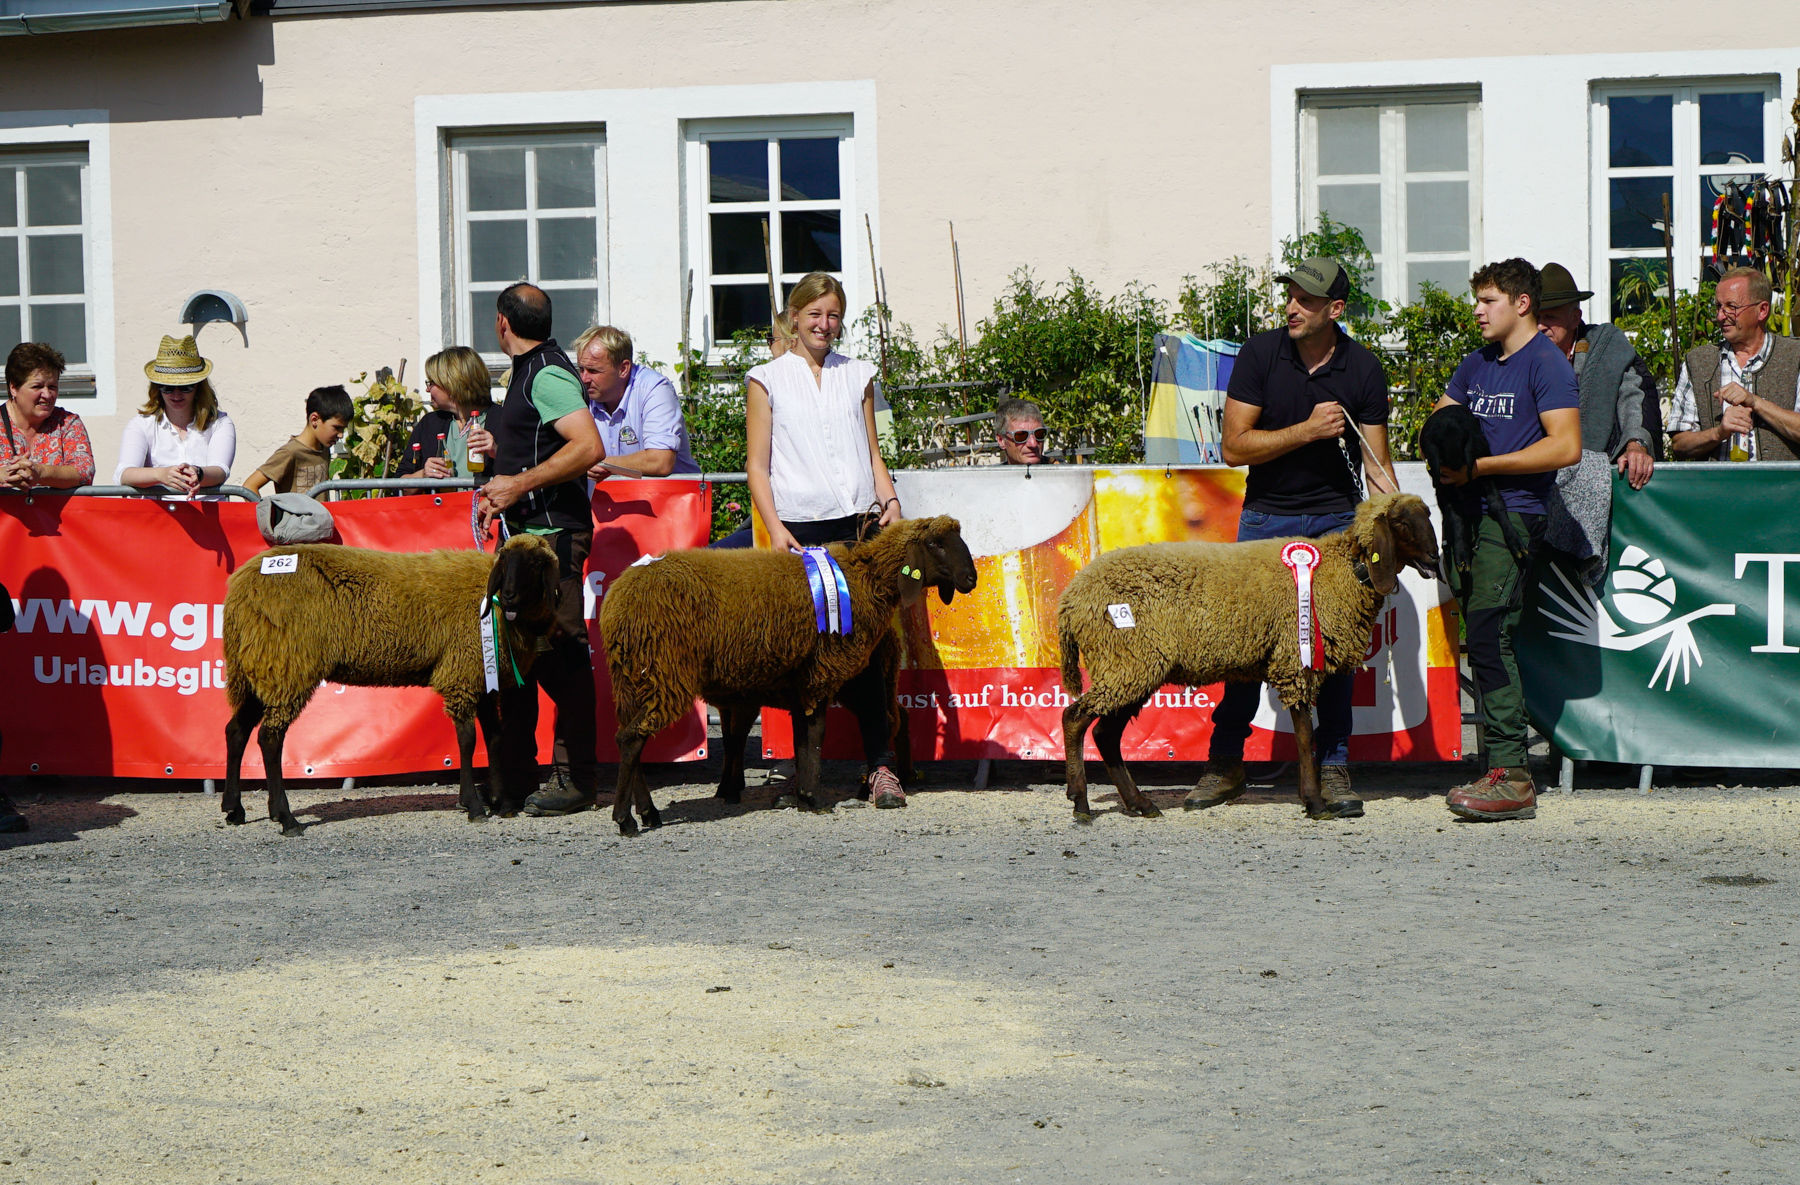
(1302, 560)
(830, 591)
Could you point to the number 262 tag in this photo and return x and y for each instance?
(277, 565)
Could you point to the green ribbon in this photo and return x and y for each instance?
(500, 639)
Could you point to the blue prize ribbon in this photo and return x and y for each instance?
(843, 591)
(815, 580)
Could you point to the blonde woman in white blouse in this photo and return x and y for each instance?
(813, 462)
(180, 440)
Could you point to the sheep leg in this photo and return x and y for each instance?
(1106, 737)
(631, 753)
(734, 734)
(1310, 795)
(809, 747)
(487, 710)
(270, 739)
(237, 735)
(1076, 719)
(646, 806)
(468, 799)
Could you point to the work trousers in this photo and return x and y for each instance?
(1491, 617)
(566, 673)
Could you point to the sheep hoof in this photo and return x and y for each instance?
(652, 818)
(235, 818)
(785, 802)
(1085, 818)
(478, 816)
(628, 827)
(293, 830)
(1149, 812)
(724, 795)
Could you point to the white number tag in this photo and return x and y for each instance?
(1121, 616)
(276, 565)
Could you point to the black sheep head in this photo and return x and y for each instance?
(936, 554)
(525, 578)
(1393, 531)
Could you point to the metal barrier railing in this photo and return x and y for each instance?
(160, 495)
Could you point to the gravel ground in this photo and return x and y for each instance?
(972, 989)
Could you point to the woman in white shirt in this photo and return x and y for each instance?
(815, 467)
(180, 440)
(813, 462)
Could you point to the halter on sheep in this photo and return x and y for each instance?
(377, 619)
(739, 630)
(1205, 612)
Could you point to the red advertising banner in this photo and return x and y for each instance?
(115, 666)
(981, 678)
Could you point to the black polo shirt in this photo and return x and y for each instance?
(1314, 478)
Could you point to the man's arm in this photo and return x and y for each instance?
(1784, 421)
(1560, 448)
(1634, 458)
(1244, 443)
(651, 462)
(581, 447)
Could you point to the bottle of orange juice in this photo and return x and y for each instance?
(477, 458)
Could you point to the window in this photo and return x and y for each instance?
(528, 207)
(44, 257)
(1405, 170)
(789, 186)
(1683, 144)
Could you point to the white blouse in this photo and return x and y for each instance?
(819, 465)
(152, 442)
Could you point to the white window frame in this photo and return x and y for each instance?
(1394, 176)
(697, 135)
(90, 388)
(456, 171)
(1685, 169)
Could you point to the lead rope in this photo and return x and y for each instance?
(1369, 457)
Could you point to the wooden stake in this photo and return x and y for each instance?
(881, 325)
(687, 353)
(1669, 264)
(774, 297)
(962, 329)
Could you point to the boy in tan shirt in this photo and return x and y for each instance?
(305, 460)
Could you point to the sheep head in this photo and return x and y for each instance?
(526, 577)
(1391, 532)
(935, 554)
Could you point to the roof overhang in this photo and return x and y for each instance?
(18, 17)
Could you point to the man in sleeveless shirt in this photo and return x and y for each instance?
(1737, 400)
(1288, 409)
(543, 441)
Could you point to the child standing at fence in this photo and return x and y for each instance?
(813, 462)
(305, 460)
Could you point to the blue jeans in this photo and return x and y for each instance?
(1231, 719)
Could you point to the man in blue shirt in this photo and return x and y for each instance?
(1523, 391)
(635, 408)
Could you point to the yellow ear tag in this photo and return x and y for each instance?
(1374, 557)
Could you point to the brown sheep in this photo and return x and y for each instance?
(377, 619)
(1206, 612)
(736, 628)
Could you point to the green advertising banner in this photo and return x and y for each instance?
(1688, 653)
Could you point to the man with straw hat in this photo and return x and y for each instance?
(1621, 415)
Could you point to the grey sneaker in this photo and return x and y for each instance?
(560, 797)
(1340, 801)
(1222, 782)
(884, 789)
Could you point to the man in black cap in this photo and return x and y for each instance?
(1302, 403)
(1621, 414)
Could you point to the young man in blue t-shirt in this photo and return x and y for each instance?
(1523, 391)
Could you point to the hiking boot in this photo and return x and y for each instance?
(1504, 792)
(560, 797)
(1222, 782)
(10, 818)
(884, 789)
(1340, 801)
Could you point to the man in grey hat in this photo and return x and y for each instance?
(1621, 414)
(1301, 403)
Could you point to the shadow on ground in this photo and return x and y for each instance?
(61, 818)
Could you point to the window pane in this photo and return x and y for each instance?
(739, 306)
(1355, 205)
(497, 250)
(1437, 138)
(1731, 129)
(9, 272)
(9, 325)
(53, 196)
(737, 244)
(496, 178)
(1636, 206)
(1635, 282)
(1437, 215)
(63, 326)
(1451, 275)
(1642, 130)
(571, 311)
(739, 170)
(809, 171)
(9, 197)
(567, 249)
(810, 241)
(1349, 140)
(481, 322)
(55, 264)
(565, 178)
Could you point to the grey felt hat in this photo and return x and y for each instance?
(294, 518)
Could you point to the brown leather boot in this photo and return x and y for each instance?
(1504, 792)
(1222, 782)
(1341, 802)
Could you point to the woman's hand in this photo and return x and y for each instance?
(183, 478)
(436, 468)
(20, 473)
(890, 512)
(781, 539)
(480, 440)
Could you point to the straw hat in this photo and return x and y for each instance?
(178, 363)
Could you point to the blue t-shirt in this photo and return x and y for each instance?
(1506, 395)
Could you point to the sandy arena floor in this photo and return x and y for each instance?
(973, 989)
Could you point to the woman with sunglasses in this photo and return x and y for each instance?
(44, 445)
(179, 440)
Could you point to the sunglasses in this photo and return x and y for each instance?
(176, 390)
(1024, 434)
